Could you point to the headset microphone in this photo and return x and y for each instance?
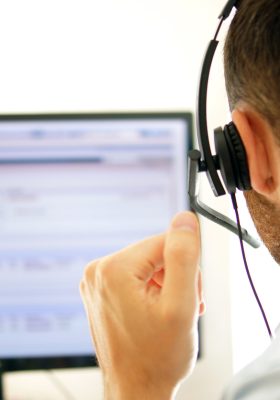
(230, 156)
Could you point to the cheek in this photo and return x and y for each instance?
(266, 217)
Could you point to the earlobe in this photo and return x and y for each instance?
(255, 134)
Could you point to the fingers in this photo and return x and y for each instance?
(177, 251)
(139, 260)
(181, 258)
(147, 255)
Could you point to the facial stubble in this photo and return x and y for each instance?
(266, 217)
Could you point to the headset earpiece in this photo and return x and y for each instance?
(240, 159)
(232, 158)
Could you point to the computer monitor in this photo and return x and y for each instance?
(75, 187)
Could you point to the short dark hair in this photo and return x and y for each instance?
(252, 58)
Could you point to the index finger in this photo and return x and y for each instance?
(140, 259)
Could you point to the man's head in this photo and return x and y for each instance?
(252, 73)
(252, 58)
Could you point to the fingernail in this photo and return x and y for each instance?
(185, 220)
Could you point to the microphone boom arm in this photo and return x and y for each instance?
(195, 166)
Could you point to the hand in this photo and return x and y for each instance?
(143, 305)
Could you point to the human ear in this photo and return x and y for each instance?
(259, 144)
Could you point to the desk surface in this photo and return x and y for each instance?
(85, 384)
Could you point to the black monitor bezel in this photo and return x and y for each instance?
(76, 361)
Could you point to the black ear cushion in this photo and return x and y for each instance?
(238, 156)
(225, 160)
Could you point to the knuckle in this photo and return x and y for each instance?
(82, 287)
(105, 274)
(100, 277)
(90, 272)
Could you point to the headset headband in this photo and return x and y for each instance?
(209, 163)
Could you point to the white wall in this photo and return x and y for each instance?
(71, 55)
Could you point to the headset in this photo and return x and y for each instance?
(230, 160)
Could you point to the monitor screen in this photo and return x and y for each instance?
(74, 188)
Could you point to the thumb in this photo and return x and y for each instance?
(181, 258)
